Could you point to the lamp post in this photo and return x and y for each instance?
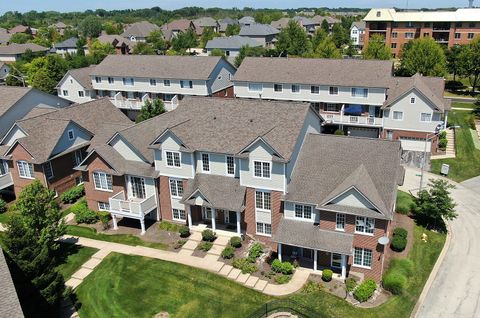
(427, 138)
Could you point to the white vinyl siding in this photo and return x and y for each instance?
(102, 181)
(25, 169)
(362, 257)
(364, 225)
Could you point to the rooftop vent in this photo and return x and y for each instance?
(379, 14)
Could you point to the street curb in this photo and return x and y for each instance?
(434, 272)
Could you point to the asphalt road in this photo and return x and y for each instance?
(455, 291)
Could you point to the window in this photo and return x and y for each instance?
(471, 25)
(409, 24)
(412, 100)
(397, 115)
(359, 92)
(167, 97)
(409, 35)
(3, 167)
(315, 89)
(470, 36)
(379, 14)
(426, 117)
(263, 200)
(340, 222)
(354, 31)
(102, 181)
(295, 88)
(264, 228)
(153, 82)
(206, 213)
(137, 185)
(71, 134)
(458, 24)
(205, 162)
(179, 214)
(333, 90)
(78, 180)
(364, 225)
(332, 107)
(458, 35)
(81, 94)
(25, 169)
(176, 187)
(166, 82)
(186, 84)
(394, 35)
(426, 34)
(65, 92)
(48, 170)
(77, 157)
(230, 165)
(315, 106)
(393, 45)
(336, 260)
(98, 79)
(173, 159)
(252, 87)
(278, 87)
(394, 24)
(261, 169)
(103, 206)
(111, 80)
(303, 211)
(128, 81)
(362, 257)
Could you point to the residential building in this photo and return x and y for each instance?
(4, 36)
(16, 102)
(267, 174)
(357, 33)
(280, 23)
(224, 23)
(355, 96)
(48, 143)
(308, 24)
(139, 31)
(448, 28)
(129, 80)
(121, 44)
(14, 51)
(205, 22)
(230, 45)
(20, 29)
(76, 85)
(4, 70)
(318, 19)
(171, 29)
(9, 305)
(60, 27)
(69, 46)
(264, 34)
(246, 21)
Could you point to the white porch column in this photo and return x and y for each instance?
(114, 219)
(189, 211)
(344, 266)
(214, 226)
(239, 230)
(279, 252)
(315, 260)
(142, 225)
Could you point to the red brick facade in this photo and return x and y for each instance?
(397, 134)
(225, 93)
(19, 153)
(165, 199)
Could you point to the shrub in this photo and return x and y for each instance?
(394, 282)
(285, 268)
(283, 279)
(398, 243)
(205, 246)
(83, 214)
(179, 244)
(228, 252)
(73, 194)
(443, 134)
(244, 265)
(104, 217)
(312, 287)
(184, 231)
(3, 206)
(365, 290)
(350, 284)
(327, 275)
(208, 235)
(255, 251)
(236, 241)
(442, 143)
(400, 231)
(339, 132)
(405, 203)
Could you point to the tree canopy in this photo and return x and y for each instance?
(90, 27)
(424, 56)
(293, 39)
(184, 41)
(44, 73)
(469, 62)
(232, 29)
(376, 49)
(143, 48)
(248, 51)
(150, 109)
(327, 49)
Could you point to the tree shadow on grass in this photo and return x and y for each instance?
(430, 224)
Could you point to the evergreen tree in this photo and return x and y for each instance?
(376, 49)
(150, 109)
(318, 37)
(325, 26)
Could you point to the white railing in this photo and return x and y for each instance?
(127, 103)
(350, 119)
(172, 104)
(6, 180)
(120, 205)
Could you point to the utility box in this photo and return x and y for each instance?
(445, 169)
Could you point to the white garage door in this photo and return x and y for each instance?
(363, 132)
(415, 144)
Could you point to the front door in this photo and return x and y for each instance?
(231, 217)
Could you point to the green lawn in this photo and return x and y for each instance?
(127, 286)
(71, 257)
(464, 105)
(127, 239)
(467, 163)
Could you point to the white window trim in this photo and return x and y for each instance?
(318, 89)
(178, 219)
(94, 184)
(393, 115)
(234, 166)
(182, 85)
(209, 166)
(426, 121)
(262, 161)
(299, 88)
(153, 80)
(170, 188)
(73, 134)
(173, 151)
(26, 164)
(51, 169)
(330, 94)
(414, 100)
(260, 233)
(344, 222)
(303, 212)
(263, 200)
(100, 208)
(167, 81)
(365, 226)
(256, 91)
(363, 257)
(281, 88)
(359, 89)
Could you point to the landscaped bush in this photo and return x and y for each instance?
(228, 252)
(442, 134)
(205, 246)
(394, 282)
(365, 290)
(208, 235)
(244, 265)
(405, 203)
(454, 85)
(255, 251)
(350, 284)
(83, 214)
(73, 194)
(3, 206)
(179, 244)
(339, 132)
(285, 268)
(104, 217)
(283, 279)
(184, 231)
(236, 241)
(442, 143)
(398, 243)
(400, 231)
(327, 275)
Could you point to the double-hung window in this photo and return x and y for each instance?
(98, 79)
(333, 90)
(65, 92)
(153, 82)
(359, 92)
(77, 157)
(263, 200)
(253, 87)
(332, 107)
(278, 88)
(230, 165)
(340, 222)
(315, 89)
(179, 214)
(261, 169)
(81, 94)
(295, 88)
(470, 36)
(176, 188)
(137, 185)
(3, 167)
(362, 257)
(186, 84)
(173, 159)
(48, 170)
(205, 162)
(128, 81)
(264, 228)
(397, 115)
(102, 181)
(103, 206)
(25, 169)
(409, 35)
(111, 80)
(364, 225)
(166, 82)
(426, 117)
(303, 211)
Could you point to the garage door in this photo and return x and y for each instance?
(363, 132)
(415, 144)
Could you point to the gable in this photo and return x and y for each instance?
(169, 141)
(421, 103)
(352, 198)
(124, 149)
(199, 198)
(259, 149)
(95, 162)
(80, 136)
(15, 133)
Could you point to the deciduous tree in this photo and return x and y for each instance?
(469, 62)
(248, 51)
(424, 56)
(91, 26)
(293, 40)
(143, 48)
(327, 49)
(376, 49)
(232, 29)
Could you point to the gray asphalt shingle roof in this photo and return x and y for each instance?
(15, 48)
(231, 42)
(140, 29)
(10, 95)
(82, 75)
(257, 29)
(9, 303)
(68, 43)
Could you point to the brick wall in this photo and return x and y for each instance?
(19, 153)
(225, 93)
(63, 173)
(164, 197)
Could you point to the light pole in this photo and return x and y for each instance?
(424, 159)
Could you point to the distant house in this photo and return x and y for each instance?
(357, 31)
(280, 24)
(60, 27)
(139, 31)
(318, 19)
(4, 70)
(224, 23)
(246, 21)
(230, 45)
(121, 44)
(14, 51)
(76, 85)
(205, 22)
(20, 29)
(68, 46)
(171, 29)
(264, 34)
(4, 36)
(308, 24)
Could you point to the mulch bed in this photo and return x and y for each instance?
(406, 222)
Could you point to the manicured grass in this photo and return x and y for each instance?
(4, 217)
(134, 286)
(71, 257)
(464, 105)
(127, 239)
(467, 163)
(71, 208)
(405, 202)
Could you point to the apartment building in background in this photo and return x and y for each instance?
(447, 28)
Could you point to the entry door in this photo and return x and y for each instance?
(137, 187)
(231, 217)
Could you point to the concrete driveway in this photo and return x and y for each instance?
(455, 291)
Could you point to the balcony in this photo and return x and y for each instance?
(132, 208)
(136, 104)
(6, 180)
(338, 118)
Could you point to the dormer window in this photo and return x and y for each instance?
(173, 159)
(71, 134)
(261, 169)
(379, 14)
(205, 162)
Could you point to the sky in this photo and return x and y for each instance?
(81, 5)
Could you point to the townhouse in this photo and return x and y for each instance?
(139, 31)
(357, 33)
(359, 97)
(130, 80)
(172, 29)
(76, 85)
(264, 34)
(267, 174)
(122, 45)
(230, 45)
(69, 46)
(48, 143)
(13, 52)
(447, 28)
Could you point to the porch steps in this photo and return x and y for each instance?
(234, 273)
(242, 278)
(251, 281)
(260, 285)
(225, 270)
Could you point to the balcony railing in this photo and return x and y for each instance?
(136, 208)
(354, 120)
(135, 104)
(6, 180)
